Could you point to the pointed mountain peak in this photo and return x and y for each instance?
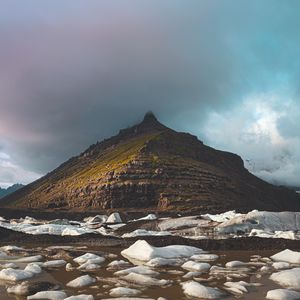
(150, 117)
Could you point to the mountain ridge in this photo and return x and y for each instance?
(151, 165)
(4, 192)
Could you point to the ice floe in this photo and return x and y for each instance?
(92, 258)
(288, 278)
(15, 275)
(287, 255)
(196, 266)
(143, 251)
(57, 295)
(144, 232)
(122, 291)
(283, 294)
(145, 280)
(197, 290)
(81, 281)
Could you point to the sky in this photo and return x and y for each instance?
(73, 72)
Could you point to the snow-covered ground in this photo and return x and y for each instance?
(229, 224)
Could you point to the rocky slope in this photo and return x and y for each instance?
(152, 166)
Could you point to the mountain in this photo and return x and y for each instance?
(152, 166)
(9, 190)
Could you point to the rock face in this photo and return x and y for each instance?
(152, 166)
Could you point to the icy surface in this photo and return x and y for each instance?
(269, 221)
(288, 278)
(57, 295)
(15, 275)
(81, 281)
(122, 291)
(287, 255)
(195, 289)
(144, 232)
(282, 294)
(143, 251)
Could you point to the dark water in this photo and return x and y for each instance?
(100, 289)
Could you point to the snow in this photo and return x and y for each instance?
(145, 280)
(143, 251)
(287, 255)
(288, 278)
(144, 232)
(92, 258)
(122, 291)
(197, 290)
(282, 294)
(15, 275)
(57, 295)
(81, 281)
(195, 266)
(114, 218)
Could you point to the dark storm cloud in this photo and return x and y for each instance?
(73, 73)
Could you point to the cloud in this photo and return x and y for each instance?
(72, 73)
(252, 129)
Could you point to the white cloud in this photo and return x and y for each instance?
(11, 173)
(252, 130)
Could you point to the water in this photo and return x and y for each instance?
(107, 280)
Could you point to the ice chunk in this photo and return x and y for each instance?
(195, 266)
(220, 218)
(142, 251)
(122, 291)
(144, 232)
(114, 218)
(195, 289)
(80, 297)
(288, 278)
(54, 263)
(280, 265)
(92, 258)
(81, 281)
(158, 262)
(205, 257)
(33, 268)
(148, 217)
(235, 264)
(15, 275)
(57, 295)
(282, 294)
(145, 280)
(138, 270)
(287, 255)
(28, 259)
